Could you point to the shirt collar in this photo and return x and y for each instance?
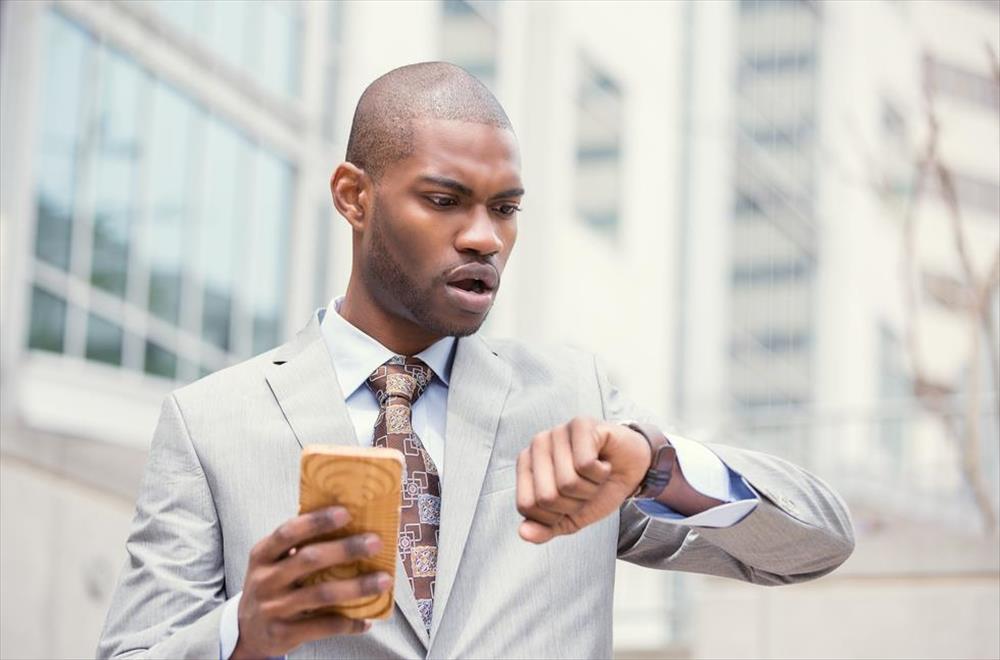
(356, 355)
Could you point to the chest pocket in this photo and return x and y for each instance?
(499, 479)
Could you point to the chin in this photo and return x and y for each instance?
(461, 325)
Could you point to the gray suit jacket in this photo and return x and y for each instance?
(223, 473)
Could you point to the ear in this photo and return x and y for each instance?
(351, 189)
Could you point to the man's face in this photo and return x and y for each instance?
(443, 224)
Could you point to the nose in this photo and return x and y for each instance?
(479, 234)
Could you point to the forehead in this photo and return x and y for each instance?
(479, 155)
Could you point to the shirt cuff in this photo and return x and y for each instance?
(708, 475)
(229, 627)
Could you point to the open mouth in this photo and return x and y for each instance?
(471, 285)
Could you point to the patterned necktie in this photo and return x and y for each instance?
(397, 384)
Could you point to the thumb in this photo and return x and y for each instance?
(535, 532)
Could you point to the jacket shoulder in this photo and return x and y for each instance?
(543, 360)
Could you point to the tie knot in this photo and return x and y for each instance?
(400, 377)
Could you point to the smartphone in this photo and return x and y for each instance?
(366, 481)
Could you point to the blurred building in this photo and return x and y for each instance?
(707, 209)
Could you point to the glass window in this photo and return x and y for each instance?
(104, 340)
(598, 149)
(119, 151)
(260, 38)
(67, 65)
(773, 231)
(159, 361)
(212, 216)
(279, 35)
(191, 16)
(229, 23)
(48, 321)
(226, 157)
(272, 202)
(469, 38)
(772, 272)
(175, 121)
(331, 70)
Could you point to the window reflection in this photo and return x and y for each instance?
(469, 38)
(68, 54)
(215, 266)
(226, 157)
(272, 200)
(159, 361)
(48, 321)
(261, 38)
(174, 122)
(104, 340)
(118, 153)
(598, 148)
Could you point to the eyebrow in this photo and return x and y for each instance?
(463, 189)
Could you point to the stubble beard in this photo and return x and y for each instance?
(388, 281)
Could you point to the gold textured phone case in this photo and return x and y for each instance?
(366, 481)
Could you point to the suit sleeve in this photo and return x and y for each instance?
(169, 597)
(800, 530)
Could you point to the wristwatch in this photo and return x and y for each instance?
(661, 460)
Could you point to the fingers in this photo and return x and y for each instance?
(526, 502)
(317, 556)
(307, 599)
(534, 532)
(297, 531)
(558, 476)
(320, 627)
(568, 481)
(585, 449)
(543, 473)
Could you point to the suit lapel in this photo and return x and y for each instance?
(305, 385)
(476, 394)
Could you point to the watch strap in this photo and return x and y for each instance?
(661, 462)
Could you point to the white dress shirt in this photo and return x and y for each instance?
(356, 355)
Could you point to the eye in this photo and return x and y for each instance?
(441, 201)
(507, 209)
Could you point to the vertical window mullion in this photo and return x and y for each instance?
(241, 326)
(137, 274)
(189, 342)
(82, 225)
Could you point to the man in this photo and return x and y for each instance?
(527, 473)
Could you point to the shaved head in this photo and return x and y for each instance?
(382, 130)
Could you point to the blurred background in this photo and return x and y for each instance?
(777, 221)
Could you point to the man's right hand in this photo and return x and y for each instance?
(275, 612)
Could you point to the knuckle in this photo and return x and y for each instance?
(524, 506)
(356, 546)
(567, 485)
(283, 535)
(269, 609)
(370, 585)
(252, 582)
(547, 499)
(309, 556)
(330, 592)
(256, 552)
(584, 463)
(275, 630)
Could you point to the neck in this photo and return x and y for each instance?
(400, 335)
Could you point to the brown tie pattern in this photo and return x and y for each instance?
(397, 384)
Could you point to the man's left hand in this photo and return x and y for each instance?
(576, 474)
